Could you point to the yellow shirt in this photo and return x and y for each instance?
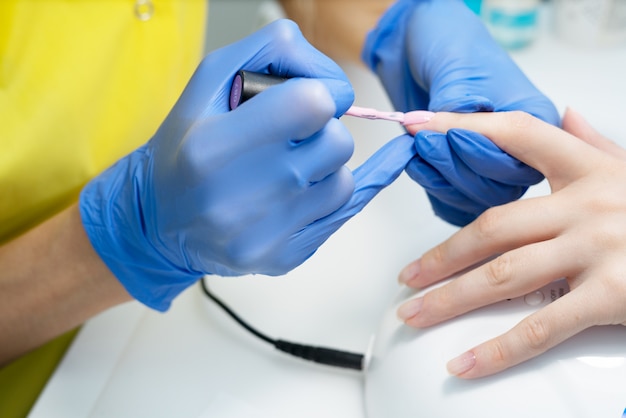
(82, 83)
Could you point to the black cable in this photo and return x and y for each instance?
(322, 355)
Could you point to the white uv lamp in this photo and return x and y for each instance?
(584, 377)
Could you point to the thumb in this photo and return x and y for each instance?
(379, 171)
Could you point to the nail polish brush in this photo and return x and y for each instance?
(247, 84)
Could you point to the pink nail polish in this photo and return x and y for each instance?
(462, 364)
(410, 309)
(417, 117)
(409, 272)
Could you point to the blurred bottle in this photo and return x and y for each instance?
(513, 23)
(474, 5)
(591, 23)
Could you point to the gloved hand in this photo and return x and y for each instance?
(437, 55)
(254, 190)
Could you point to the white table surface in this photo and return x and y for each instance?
(194, 361)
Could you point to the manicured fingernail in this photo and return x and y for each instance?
(410, 272)
(462, 364)
(417, 116)
(410, 309)
(581, 118)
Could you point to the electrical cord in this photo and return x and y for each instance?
(322, 355)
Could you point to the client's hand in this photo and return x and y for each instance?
(578, 232)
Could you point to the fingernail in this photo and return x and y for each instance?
(417, 116)
(581, 119)
(462, 364)
(410, 309)
(410, 272)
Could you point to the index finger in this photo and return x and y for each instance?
(541, 145)
(379, 171)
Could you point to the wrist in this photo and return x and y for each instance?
(115, 222)
(52, 281)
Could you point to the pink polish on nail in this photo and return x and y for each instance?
(417, 116)
(410, 272)
(410, 309)
(462, 364)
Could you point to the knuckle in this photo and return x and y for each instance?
(314, 95)
(535, 334)
(611, 287)
(242, 257)
(498, 352)
(498, 272)
(221, 221)
(197, 161)
(285, 32)
(435, 259)
(335, 141)
(342, 142)
(262, 258)
(605, 235)
(488, 224)
(520, 120)
(312, 103)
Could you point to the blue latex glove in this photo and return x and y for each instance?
(255, 190)
(438, 55)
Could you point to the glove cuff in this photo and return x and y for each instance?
(110, 209)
